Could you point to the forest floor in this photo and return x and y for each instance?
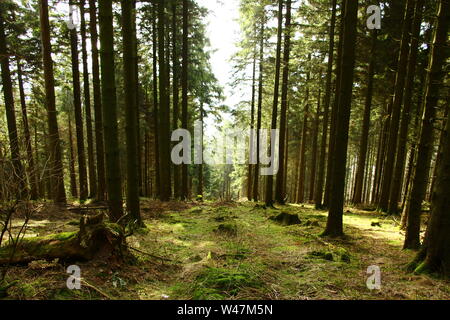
(235, 251)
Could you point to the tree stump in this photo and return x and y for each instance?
(96, 239)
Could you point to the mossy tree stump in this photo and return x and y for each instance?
(96, 239)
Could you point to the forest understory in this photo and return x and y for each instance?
(232, 250)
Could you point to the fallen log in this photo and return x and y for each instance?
(96, 239)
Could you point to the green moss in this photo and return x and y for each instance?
(225, 281)
(326, 255)
(63, 236)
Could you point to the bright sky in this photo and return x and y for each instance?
(223, 32)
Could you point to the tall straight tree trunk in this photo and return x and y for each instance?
(315, 132)
(21, 188)
(139, 100)
(131, 109)
(58, 192)
(99, 143)
(269, 179)
(184, 93)
(434, 81)
(259, 109)
(302, 151)
(362, 157)
(280, 190)
(335, 215)
(435, 256)
(81, 156)
(73, 174)
(334, 111)
(382, 150)
(413, 148)
(155, 100)
(396, 107)
(252, 127)
(406, 117)
(109, 105)
(326, 113)
(200, 166)
(87, 105)
(164, 109)
(32, 172)
(176, 92)
(441, 143)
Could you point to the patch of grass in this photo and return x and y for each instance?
(220, 281)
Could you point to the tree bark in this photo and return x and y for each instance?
(269, 179)
(335, 215)
(99, 143)
(87, 104)
(32, 172)
(184, 93)
(396, 186)
(109, 105)
(396, 107)
(280, 187)
(315, 132)
(176, 92)
(438, 231)
(155, 100)
(81, 156)
(131, 109)
(58, 192)
(259, 108)
(334, 111)
(326, 112)
(21, 188)
(362, 157)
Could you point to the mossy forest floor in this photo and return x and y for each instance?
(235, 251)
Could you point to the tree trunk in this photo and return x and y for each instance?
(184, 93)
(81, 156)
(396, 107)
(99, 143)
(437, 228)
(315, 132)
(334, 111)
(302, 150)
(87, 105)
(73, 175)
(362, 157)
(252, 127)
(269, 184)
(259, 109)
(280, 189)
(323, 145)
(131, 110)
(32, 172)
(176, 97)
(21, 188)
(406, 113)
(335, 216)
(58, 192)
(155, 100)
(164, 108)
(109, 104)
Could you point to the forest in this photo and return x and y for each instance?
(224, 150)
